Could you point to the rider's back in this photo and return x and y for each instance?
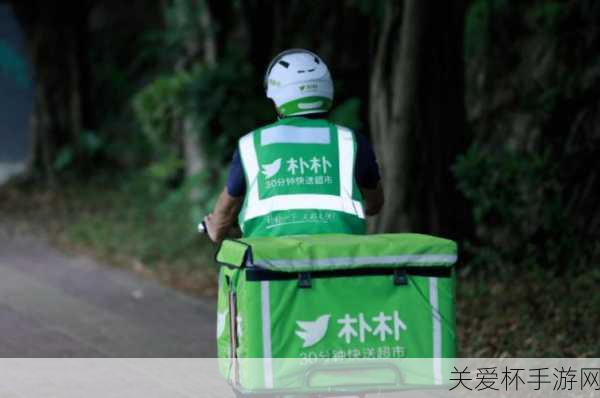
(300, 179)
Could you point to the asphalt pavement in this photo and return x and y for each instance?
(54, 304)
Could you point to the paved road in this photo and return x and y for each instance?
(57, 305)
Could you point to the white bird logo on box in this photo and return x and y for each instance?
(269, 170)
(312, 332)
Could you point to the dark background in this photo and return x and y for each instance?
(17, 90)
(485, 116)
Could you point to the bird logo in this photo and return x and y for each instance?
(311, 332)
(269, 170)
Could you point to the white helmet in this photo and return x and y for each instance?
(299, 83)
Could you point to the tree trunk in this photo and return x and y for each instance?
(55, 38)
(393, 92)
(200, 45)
(417, 117)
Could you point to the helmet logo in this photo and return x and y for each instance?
(308, 87)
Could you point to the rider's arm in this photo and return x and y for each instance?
(373, 199)
(368, 177)
(224, 216)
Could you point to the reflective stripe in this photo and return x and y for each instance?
(256, 207)
(344, 262)
(250, 163)
(266, 332)
(294, 135)
(346, 156)
(263, 207)
(346, 150)
(437, 331)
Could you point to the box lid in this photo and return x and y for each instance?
(304, 253)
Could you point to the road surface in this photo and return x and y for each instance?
(58, 305)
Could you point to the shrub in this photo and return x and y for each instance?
(221, 101)
(518, 209)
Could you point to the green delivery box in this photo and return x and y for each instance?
(290, 305)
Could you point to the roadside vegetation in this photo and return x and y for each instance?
(119, 223)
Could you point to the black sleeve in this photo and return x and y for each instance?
(366, 170)
(236, 181)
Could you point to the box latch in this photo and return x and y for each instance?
(304, 281)
(400, 277)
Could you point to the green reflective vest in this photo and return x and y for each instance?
(300, 180)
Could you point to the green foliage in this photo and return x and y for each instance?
(63, 159)
(517, 206)
(374, 8)
(219, 100)
(159, 173)
(124, 220)
(157, 104)
(88, 146)
(348, 114)
(183, 22)
(226, 95)
(528, 313)
(477, 23)
(90, 142)
(546, 15)
(160, 108)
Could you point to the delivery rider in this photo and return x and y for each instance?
(301, 174)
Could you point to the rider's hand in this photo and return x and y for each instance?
(219, 222)
(210, 229)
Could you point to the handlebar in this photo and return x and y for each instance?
(202, 228)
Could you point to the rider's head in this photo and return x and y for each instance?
(299, 83)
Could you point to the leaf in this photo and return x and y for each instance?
(63, 159)
(90, 141)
